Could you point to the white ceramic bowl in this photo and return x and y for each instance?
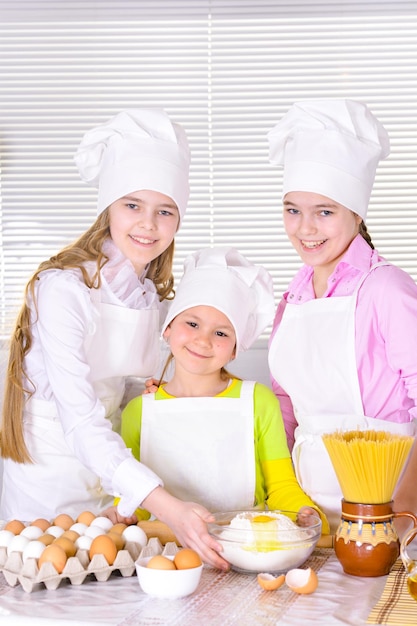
(262, 546)
(162, 583)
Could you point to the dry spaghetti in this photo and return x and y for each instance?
(367, 463)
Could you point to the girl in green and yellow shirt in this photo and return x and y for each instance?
(213, 438)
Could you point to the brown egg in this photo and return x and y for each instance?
(103, 544)
(160, 562)
(68, 545)
(186, 559)
(53, 554)
(46, 539)
(86, 517)
(41, 523)
(118, 528)
(118, 539)
(302, 580)
(63, 521)
(71, 534)
(15, 526)
(270, 582)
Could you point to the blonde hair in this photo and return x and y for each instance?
(18, 387)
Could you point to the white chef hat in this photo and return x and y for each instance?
(136, 149)
(224, 279)
(330, 147)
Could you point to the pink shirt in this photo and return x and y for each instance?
(385, 327)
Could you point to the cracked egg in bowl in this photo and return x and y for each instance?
(265, 541)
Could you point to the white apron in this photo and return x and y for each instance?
(312, 356)
(202, 448)
(123, 342)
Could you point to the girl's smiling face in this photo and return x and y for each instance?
(320, 229)
(142, 226)
(202, 340)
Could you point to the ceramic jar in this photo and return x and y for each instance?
(366, 542)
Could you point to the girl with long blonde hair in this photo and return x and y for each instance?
(90, 320)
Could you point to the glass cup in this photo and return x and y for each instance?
(408, 553)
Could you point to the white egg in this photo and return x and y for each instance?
(33, 550)
(83, 542)
(56, 531)
(102, 522)
(32, 532)
(17, 544)
(94, 531)
(79, 528)
(136, 535)
(5, 538)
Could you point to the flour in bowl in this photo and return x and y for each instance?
(263, 528)
(262, 541)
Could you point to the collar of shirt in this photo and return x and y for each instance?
(357, 260)
(121, 285)
(161, 394)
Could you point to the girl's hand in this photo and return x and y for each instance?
(304, 516)
(112, 514)
(188, 521)
(151, 385)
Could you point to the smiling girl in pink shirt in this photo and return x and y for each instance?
(343, 351)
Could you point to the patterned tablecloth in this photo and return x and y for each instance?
(395, 605)
(222, 599)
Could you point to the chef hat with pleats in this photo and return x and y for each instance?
(136, 149)
(224, 279)
(332, 148)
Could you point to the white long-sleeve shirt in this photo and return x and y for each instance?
(58, 367)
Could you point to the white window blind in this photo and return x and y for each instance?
(226, 70)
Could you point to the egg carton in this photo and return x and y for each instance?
(77, 568)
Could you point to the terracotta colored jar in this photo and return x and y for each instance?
(366, 542)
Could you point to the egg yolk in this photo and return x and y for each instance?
(260, 519)
(265, 534)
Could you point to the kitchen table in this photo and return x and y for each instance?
(221, 599)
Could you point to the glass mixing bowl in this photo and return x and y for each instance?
(265, 541)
